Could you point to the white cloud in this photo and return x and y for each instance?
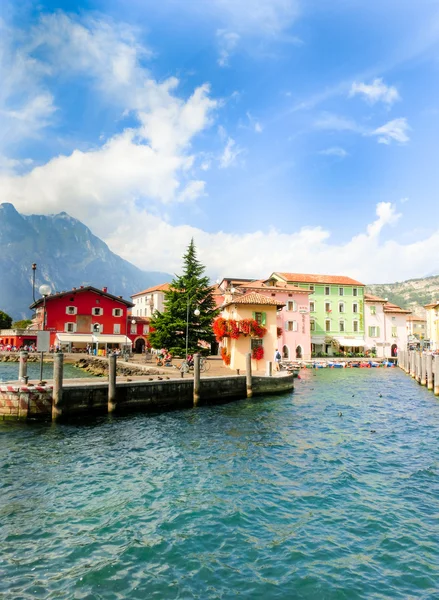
(336, 123)
(227, 41)
(334, 151)
(395, 130)
(261, 252)
(387, 215)
(264, 17)
(230, 154)
(377, 91)
(254, 123)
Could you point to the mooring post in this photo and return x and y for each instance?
(436, 374)
(112, 383)
(423, 369)
(58, 372)
(269, 369)
(412, 362)
(248, 374)
(418, 367)
(197, 379)
(429, 366)
(22, 367)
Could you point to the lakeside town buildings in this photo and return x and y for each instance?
(432, 317)
(316, 315)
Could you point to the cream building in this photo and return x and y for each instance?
(150, 300)
(432, 316)
(262, 309)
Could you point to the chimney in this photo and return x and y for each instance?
(104, 289)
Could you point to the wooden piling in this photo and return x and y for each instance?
(423, 369)
(112, 392)
(436, 375)
(269, 369)
(58, 372)
(197, 379)
(412, 363)
(429, 367)
(418, 367)
(248, 375)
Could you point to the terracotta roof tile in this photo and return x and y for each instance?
(372, 298)
(415, 318)
(432, 305)
(310, 278)
(163, 287)
(255, 298)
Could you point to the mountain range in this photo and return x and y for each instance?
(67, 255)
(413, 294)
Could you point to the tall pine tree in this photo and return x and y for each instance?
(188, 292)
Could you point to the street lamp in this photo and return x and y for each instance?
(196, 313)
(44, 291)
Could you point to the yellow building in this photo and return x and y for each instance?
(240, 311)
(432, 316)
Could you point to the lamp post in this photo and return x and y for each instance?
(132, 322)
(196, 313)
(34, 268)
(44, 291)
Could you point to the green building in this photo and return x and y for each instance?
(336, 311)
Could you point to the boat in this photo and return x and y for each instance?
(336, 365)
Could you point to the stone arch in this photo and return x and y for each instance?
(394, 350)
(139, 345)
(285, 352)
(299, 351)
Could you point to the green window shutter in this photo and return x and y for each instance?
(264, 319)
(378, 332)
(370, 331)
(254, 316)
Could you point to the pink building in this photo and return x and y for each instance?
(293, 321)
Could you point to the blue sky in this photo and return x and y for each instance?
(280, 134)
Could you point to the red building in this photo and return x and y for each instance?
(84, 316)
(138, 333)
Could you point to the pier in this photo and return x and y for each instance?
(424, 368)
(84, 397)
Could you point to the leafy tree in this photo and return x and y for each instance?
(5, 320)
(22, 324)
(188, 292)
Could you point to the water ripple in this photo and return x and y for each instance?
(271, 498)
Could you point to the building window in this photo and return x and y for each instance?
(291, 326)
(354, 292)
(341, 291)
(327, 291)
(373, 310)
(96, 311)
(327, 307)
(133, 328)
(145, 329)
(312, 325)
(341, 326)
(374, 331)
(116, 328)
(255, 343)
(341, 307)
(394, 332)
(70, 327)
(355, 326)
(327, 325)
(311, 288)
(291, 306)
(311, 307)
(355, 307)
(71, 310)
(97, 328)
(260, 317)
(117, 312)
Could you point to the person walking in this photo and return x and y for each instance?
(277, 359)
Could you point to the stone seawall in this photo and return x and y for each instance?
(22, 402)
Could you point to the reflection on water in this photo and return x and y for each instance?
(271, 498)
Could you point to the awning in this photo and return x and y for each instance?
(80, 338)
(103, 338)
(352, 342)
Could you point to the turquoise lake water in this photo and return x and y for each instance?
(272, 498)
(9, 371)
